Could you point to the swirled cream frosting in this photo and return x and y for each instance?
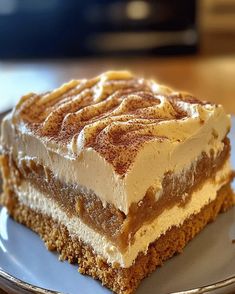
(115, 135)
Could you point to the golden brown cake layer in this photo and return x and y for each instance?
(120, 280)
(114, 224)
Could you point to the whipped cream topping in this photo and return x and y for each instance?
(147, 234)
(116, 135)
(115, 114)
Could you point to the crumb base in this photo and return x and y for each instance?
(120, 280)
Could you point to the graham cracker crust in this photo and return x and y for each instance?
(120, 280)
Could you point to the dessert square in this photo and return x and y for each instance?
(116, 173)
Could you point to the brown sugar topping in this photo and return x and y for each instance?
(114, 113)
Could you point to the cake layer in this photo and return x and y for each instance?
(103, 134)
(120, 280)
(37, 201)
(117, 227)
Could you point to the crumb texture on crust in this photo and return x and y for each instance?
(120, 280)
(114, 113)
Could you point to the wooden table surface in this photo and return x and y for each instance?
(208, 78)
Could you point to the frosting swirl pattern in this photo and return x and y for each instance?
(114, 113)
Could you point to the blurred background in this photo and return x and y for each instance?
(187, 44)
(56, 28)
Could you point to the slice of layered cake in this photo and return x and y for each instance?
(116, 173)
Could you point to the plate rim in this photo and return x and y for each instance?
(5, 276)
(39, 290)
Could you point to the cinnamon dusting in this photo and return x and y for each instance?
(115, 113)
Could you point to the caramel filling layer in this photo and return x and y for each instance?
(114, 224)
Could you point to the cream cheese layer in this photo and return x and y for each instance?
(147, 234)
